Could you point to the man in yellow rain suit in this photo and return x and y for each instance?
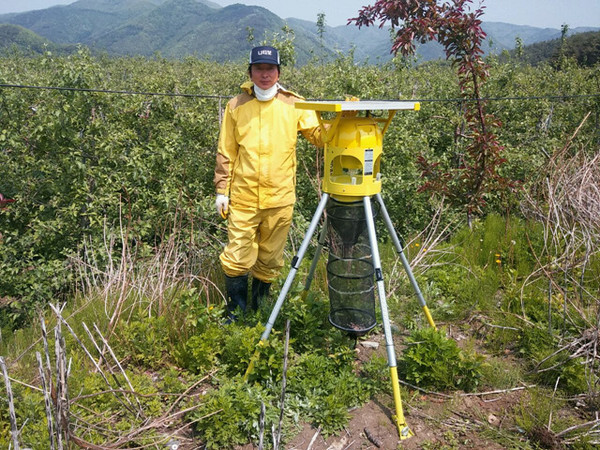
(255, 177)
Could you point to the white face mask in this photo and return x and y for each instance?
(265, 95)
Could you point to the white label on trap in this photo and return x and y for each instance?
(368, 162)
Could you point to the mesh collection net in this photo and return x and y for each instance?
(350, 269)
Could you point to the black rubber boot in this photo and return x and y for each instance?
(237, 293)
(260, 290)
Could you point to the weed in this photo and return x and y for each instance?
(229, 415)
(434, 361)
(146, 341)
(201, 352)
(308, 320)
(375, 375)
(571, 371)
(239, 346)
(535, 341)
(324, 389)
(533, 416)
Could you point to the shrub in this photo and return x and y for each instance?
(146, 341)
(434, 361)
(230, 415)
(201, 352)
(323, 389)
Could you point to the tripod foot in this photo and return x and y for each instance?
(403, 430)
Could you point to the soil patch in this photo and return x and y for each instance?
(457, 421)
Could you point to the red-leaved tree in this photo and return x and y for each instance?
(458, 30)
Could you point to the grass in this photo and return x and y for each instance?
(178, 356)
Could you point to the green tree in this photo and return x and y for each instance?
(518, 47)
(250, 35)
(284, 42)
(321, 28)
(562, 49)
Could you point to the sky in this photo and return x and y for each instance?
(537, 13)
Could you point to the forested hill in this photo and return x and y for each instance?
(178, 28)
(583, 47)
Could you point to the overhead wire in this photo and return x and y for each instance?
(108, 91)
(215, 96)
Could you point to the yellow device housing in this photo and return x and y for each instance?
(353, 158)
(354, 145)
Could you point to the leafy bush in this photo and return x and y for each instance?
(200, 353)
(534, 341)
(229, 415)
(433, 361)
(571, 371)
(375, 375)
(232, 347)
(309, 327)
(240, 345)
(30, 412)
(322, 390)
(145, 341)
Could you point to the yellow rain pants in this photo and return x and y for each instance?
(257, 239)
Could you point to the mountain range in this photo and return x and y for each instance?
(178, 28)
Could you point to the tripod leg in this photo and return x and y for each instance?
(296, 260)
(403, 430)
(315, 260)
(398, 245)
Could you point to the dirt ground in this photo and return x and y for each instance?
(457, 422)
(438, 423)
(436, 420)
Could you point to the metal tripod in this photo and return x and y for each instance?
(403, 429)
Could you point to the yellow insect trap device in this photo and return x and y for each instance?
(354, 145)
(353, 138)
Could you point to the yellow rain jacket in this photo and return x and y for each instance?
(256, 155)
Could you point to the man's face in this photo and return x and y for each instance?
(264, 75)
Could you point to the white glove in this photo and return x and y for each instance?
(222, 204)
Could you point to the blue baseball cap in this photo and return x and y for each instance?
(264, 55)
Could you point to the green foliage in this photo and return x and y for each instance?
(14, 37)
(500, 373)
(145, 341)
(434, 361)
(498, 242)
(456, 290)
(117, 413)
(30, 413)
(534, 412)
(91, 170)
(284, 42)
(200, 353)
(232, 347)
(198, 314)
(229, 415)
(581, 47)
(82, 165)
(309, 327)
(570, 372)
(241, 344)
(323, 389)
(375, 375)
